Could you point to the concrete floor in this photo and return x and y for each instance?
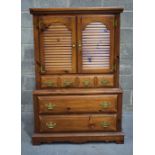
(75, 149)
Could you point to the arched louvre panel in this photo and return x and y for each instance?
(97, 37)
(95, 46)
(56, 49)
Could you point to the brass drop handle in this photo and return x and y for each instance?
(50, 106)
(105, 124)
(105, 104)
(49, 83)
(79, 45)
(51, 125)
(67, 83)
(104, 82)
(86, 83)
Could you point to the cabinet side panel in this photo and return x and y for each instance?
(36, 50)
(35, 110)
(117, 49)
(119, 113)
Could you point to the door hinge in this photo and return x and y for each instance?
(114, 67)
(36, 25)
(42, 69)
(115, 23)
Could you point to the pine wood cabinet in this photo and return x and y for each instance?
(77, 96)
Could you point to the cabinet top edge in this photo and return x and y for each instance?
(113, 10)
(76, 91)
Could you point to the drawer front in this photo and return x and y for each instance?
(49, 82)
(77, 81)
(105, 81)
(86, 81)
(77, 123)
(77, 104)
(68, 81)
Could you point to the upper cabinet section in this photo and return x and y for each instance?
(96, 43)
(76, 40)
(57, 44)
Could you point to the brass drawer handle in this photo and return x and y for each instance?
(104, 82)
(105, 104)
(67, 83)
(105, 124)
(50, 106)
(73, 45)
(49, 83)
(86, 83)
(51, 125)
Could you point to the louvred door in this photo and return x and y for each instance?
(96, 43)
(57, 44)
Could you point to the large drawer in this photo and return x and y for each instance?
(77, 81)
(49, 104)
(77, 123)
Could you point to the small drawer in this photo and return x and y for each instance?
(105, 80)
(86, 81)
(49, 81)
(77, 104)
(78, 123)
(68, 81)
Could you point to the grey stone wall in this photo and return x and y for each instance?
(27, 57)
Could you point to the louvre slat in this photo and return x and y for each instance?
(50, 54)
(56, 35)
(95, 62)
(59, 30)
(57, 63)
(95, 51)
(50, 50)
(96, 34)
(59, 59)
(94, 66)
(57, 41)
(57, 69)
(96, 37)
(57, 54)
(97, 59)
(49, 45)
(94, 55)
(99, 44)
(94, 58)
(58, 48)
(60, 39)
(94, 46)
(96, 41)
(58, 66)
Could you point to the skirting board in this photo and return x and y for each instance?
(117, 137)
